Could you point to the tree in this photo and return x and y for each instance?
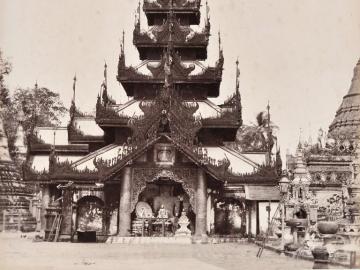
(5, 99)
(40, 107)
(257, 137)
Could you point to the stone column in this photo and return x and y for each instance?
(45, 194)
(201, 206)
(125, 203)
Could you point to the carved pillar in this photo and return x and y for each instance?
(45, 194)
(125, 203)
(66, 211)
(201, 205)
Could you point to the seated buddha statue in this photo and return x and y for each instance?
(163, 213)
(167, 201)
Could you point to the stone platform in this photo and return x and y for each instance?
(174, 240)
(148, 240)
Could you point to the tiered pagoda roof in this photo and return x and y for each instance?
(187, 10)
(189, 43)
(347, 119)
(209, 78)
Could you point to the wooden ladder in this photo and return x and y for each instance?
(55, 229)
(258, 255)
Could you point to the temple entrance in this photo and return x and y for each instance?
(89, 218)
(230, 217)
(159, 207)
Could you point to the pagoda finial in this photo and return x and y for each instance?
(36, 85)
(74, 88)
(237, 91)
(105, 73)
(105, 98)
(268, 112)
(73, 106)
(207, 11)
(220, 46)
(137, 18)
(237, 75)
(122, 45)
(300, 138)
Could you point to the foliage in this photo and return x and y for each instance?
(40, 107)
(5, 99)
(257, 137)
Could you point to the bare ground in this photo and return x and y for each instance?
(17, 253)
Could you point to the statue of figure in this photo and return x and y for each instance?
(167, 201)
(321, 139)
(163, 213)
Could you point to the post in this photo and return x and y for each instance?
(249, 222)
(4, 220)
(201, 207)
(19, 222)
(45, 193)
(125, 203)
(282, 226)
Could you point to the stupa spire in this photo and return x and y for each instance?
(20, 145)
(347, 119)
(4, 147)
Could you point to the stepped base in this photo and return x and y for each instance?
(148, 240)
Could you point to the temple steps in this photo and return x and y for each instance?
(148, 240)
(174, 240)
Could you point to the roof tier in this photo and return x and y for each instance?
(187, 11)
(184, 76)
(190, 45)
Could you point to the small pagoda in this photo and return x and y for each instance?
(167, 155)
(15, 196)
(330, 160)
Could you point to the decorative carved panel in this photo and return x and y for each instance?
(165, 154)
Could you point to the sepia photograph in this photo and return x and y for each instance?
(179, 134)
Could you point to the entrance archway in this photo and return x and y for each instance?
(90, 218)
(230, 217)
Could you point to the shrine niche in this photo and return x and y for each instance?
(159, 207)
(184, 176)
(90, 214)
(230, 217)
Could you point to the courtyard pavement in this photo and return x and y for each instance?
(17, 253)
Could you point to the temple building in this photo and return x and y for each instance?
(168, 162)
(329, 163)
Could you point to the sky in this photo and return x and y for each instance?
(298, 55)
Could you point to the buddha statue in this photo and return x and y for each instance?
(167, 201)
